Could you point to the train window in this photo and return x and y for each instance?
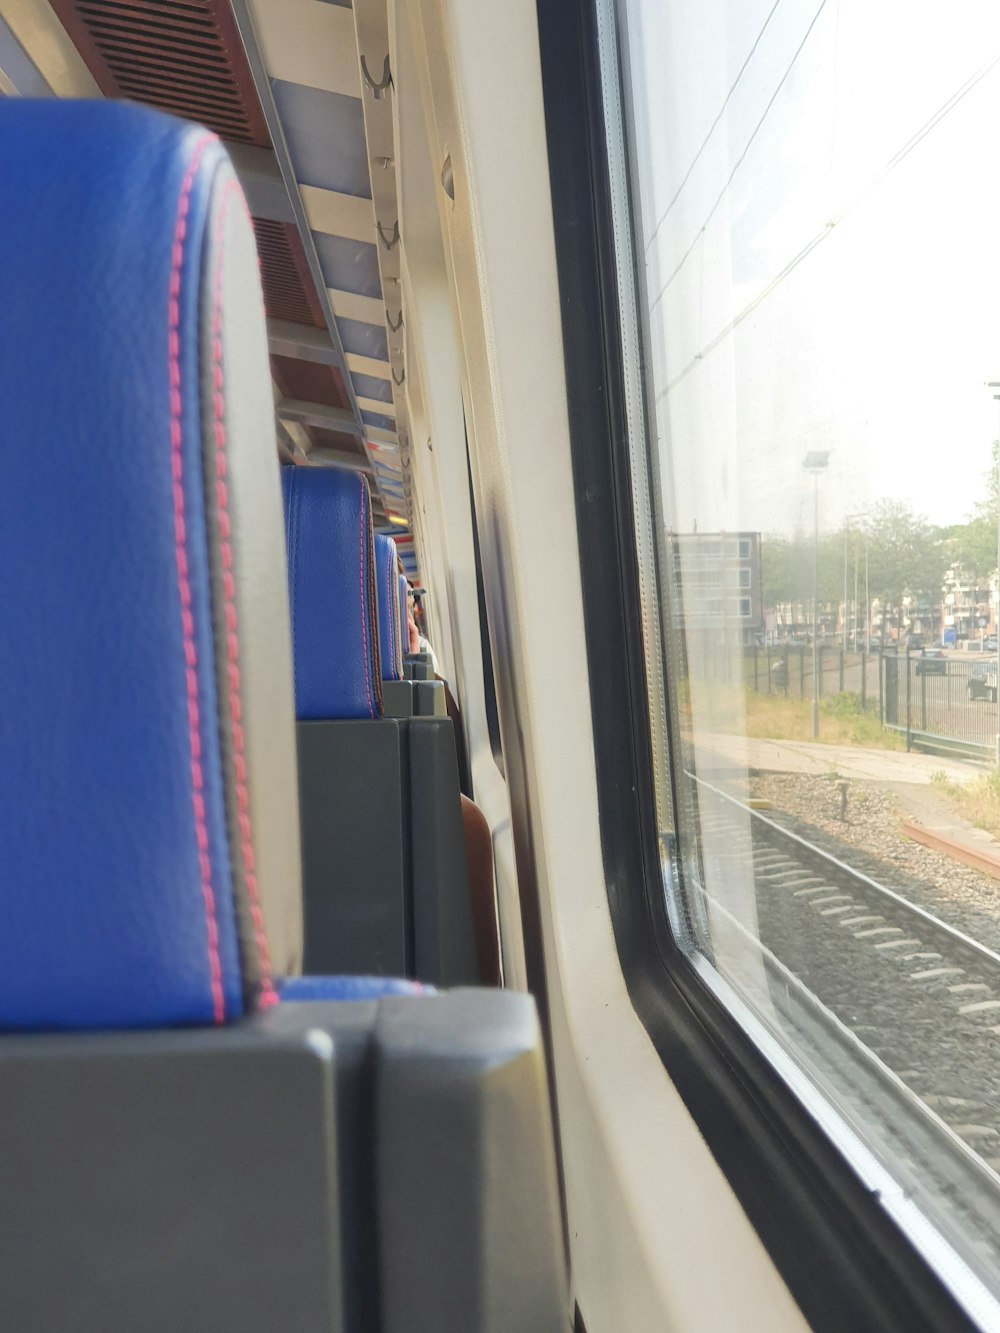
(809, 280)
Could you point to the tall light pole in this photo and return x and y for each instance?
(843, 638)
(995, 384)
(849, 519)
(868, 599)
(816, 461)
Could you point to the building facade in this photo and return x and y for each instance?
(718, 578)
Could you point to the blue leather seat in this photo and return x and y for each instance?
(331, 581)
(387, 592)
(220, 1172)
(146, 761)
(149, 842)
(385, 871)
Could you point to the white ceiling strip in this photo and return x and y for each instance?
(307, 42)
(46, 41)
(374, 405)
(366, 309)
(367, 365)
(339, 214)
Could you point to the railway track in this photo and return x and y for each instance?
(873, 974)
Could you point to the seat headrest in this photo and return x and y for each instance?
(149, 835)
(387, 592)
(331, 579)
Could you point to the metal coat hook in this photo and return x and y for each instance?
(392, 240)
(399, 382)
(394, 328)
(378, 89)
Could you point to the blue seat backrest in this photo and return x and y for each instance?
(146, 745)
(331, 581)
(387, 592)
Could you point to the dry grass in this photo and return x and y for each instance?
(772, 717)
(978, 801)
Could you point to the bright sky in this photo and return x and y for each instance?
(877, 345)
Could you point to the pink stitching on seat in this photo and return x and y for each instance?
(268, 996)
(388, 603)
(183, 581)
(361, 579)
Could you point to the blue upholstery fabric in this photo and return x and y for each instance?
(304, 989)
(331, 576)
(404, 623)
(117, 904)
(387, 593)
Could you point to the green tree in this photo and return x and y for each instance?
(778, 573)
(974, 542)
(985, 509)
(905, 555)
(973, 546)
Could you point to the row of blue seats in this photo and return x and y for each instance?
(384, 822)
(194, 1135)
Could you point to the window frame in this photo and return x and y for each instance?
(843, 1258)
(489, 676)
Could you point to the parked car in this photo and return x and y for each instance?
(982, 682)
(932, 662)
(990, 644)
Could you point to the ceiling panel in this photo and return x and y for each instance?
(364, 339)
(309, 381)
(288, 291)
(309, 44)
(365, 309)
(279, 81)
(372, 405)
(378, 420)
(186, 59)
(339, 214)
(349, 266)
(325, 133)
(367, 386)
(368, 367)
(18, 72)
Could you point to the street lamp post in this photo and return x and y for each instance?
(816, 461)
(868, 601)
(843, 637)
(848, 521)
(855, 606)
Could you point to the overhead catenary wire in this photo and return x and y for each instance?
(712, 128)
(742, 157)
(899, 156)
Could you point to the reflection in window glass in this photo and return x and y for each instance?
(815, 205)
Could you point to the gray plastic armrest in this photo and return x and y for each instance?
(470, 1232)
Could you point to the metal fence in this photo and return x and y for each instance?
(945, 705)
(788, 671)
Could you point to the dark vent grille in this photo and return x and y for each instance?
(181, 56)
(288, 291)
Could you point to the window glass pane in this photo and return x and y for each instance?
(814, 204)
